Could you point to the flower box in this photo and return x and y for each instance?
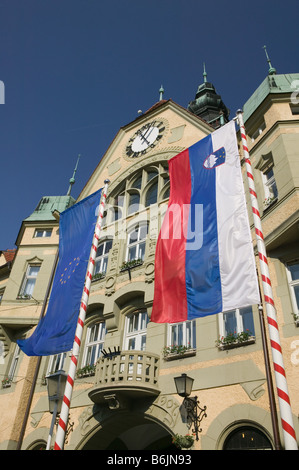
(234, 340)
(6, 383)
(23, 297)
(98, 276)
(131, 264)
(87, 371)
(178, 352)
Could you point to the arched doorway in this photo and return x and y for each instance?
(129, 431)
(247, 438)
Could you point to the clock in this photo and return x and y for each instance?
(145, 138)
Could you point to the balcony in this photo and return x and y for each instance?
(125, 377)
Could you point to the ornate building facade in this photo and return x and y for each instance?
(124, 394)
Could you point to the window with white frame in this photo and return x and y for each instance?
(101, 260)
(14, 363)
(270, 188)
(56, 362)
(136, 243)
(236, 322)
(139, 191)
(41, 233)
(135, 331)
(29, 281)
(94, 344)
(293, 280)
(182, 334)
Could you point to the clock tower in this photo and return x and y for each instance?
(208, 105)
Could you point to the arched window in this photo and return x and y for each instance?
(140, 190)
(151, 195)
(247, 438)
(137, 182)
(133, 206)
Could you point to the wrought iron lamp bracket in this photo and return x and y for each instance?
(195, 414)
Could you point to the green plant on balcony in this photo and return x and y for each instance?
(131, 264)
(234, 338)
(23, 296)
(183, 442)
(86, 371)
(178, 349)
(98, 276)
(6, 382)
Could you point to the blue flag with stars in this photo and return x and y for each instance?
(55, 332)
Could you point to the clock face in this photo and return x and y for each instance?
(145, 139)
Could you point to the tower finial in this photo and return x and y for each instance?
(204, 73)
(161, 91)
(72, 179)
(272, 70)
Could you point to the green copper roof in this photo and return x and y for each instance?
(274, 84)
(48, 204)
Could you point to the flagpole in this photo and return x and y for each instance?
(64, 414)
(279, 370)
(37, 367)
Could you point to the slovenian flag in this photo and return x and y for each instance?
(204, 260)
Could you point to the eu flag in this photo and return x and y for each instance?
(56, 331)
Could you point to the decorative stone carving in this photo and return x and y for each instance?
(165, 409)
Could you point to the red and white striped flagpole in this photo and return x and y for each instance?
(64, 414)
(279, 370)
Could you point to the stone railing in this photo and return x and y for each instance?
(131, 374)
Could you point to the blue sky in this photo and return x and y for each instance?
(75, 71)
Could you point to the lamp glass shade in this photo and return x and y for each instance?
(183, 385)
(56, 385)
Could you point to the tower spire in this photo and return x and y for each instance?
(161, 91)
(72, 179)
(272, 70)
(204, 73)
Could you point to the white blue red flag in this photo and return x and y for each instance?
(204, 256)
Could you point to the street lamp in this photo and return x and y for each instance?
(195, 413)
(56, 385)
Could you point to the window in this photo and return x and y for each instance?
(270, 188)
(258, 132)
(134, 199)
(95, 339)
(14, 363)
(101, 260)
(56, 362)
(293, 279)
(266, 166)
(294, 109)
(151, 195)
(139, 191)
(136, 243)
(137, 182)
(182, 334)
(247, 438)
(29, 281)
(237, 322)
(135, 331)
(39, 233)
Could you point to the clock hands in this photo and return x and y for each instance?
(148, 131)
(142, 136)
(145, 138)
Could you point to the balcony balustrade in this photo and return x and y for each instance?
(129, 375)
